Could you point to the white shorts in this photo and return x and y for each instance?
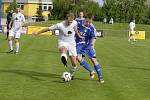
(70, 47)
(131, 32)
(14, 33)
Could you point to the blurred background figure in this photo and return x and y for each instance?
(131, 30)
(8, 20)
(104, 20)
(80, 19)
(111, 21)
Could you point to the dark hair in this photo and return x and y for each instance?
(89, 15)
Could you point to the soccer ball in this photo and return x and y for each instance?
(66, 76)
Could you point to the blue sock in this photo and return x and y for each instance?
(85, 65)
(98, 70)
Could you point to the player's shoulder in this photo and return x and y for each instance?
(62, 22)
(131, 23)
(13, 14)
(77, 19)
(74, 21)
(86, 27)
(91, 26)
(21, 14)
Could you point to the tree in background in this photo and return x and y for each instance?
(12, 6)
(63, 6)
(125, 10)
(119, 10)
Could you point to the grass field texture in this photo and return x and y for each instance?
(34, 74)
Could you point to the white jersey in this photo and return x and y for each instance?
(132, 26)
(66, 32)
(18, 20)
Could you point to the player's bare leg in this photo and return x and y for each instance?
(73, 68)
(10, 44)
(17, 46)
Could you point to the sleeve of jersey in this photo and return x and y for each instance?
(94, 30)
(53, 27)
(75, 26)
(75, 23)
(93, 33)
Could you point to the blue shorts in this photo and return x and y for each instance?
(84, 50)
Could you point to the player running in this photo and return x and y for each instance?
(14, 33)
(131, 30)
(66, 41)
(86, 47)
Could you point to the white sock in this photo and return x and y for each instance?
(72, 69)
(134, 39)
(10, 45)
(129, 39)
(17, 47)
(64, 54)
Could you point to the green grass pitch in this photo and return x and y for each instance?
(35, 73)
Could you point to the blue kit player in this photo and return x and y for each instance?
(85, 47)
(80, 19)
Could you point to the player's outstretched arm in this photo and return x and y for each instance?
(40, 31)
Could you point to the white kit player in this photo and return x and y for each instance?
(14, 33)
(66, 39)
(131, 30)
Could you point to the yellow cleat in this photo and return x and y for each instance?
(92, 74)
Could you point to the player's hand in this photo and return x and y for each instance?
(81, 37)
(35, 33)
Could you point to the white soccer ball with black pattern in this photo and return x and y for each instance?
(66, 76)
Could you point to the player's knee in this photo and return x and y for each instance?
(9, 38)
(79, 58)
(94, 61)
(63, 50)
(73, 63)
(16, 40)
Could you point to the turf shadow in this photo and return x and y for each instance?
(32, 74)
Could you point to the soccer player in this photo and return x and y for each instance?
(131, 30)
(66, 41)
(14, 33)
(85, 47)
(8, 20)
(80, 19)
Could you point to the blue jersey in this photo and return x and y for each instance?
(88, 33)
(93, 28)
(84, 46)
(79, 22)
